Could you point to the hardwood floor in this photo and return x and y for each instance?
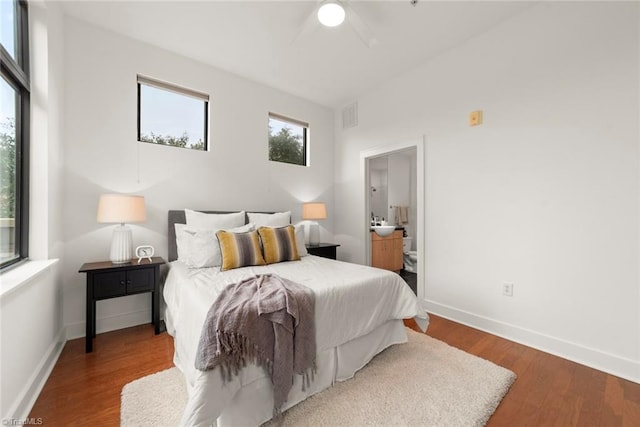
(84, 389)
(549, 390)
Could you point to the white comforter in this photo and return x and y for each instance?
(351, 301)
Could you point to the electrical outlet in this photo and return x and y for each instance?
(507, 289)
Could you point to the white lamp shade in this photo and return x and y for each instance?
(121, 208)
(331, 14)
(314, 211)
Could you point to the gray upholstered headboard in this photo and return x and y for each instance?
(178, 217)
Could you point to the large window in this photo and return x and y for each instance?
(14, 132)
(172, 115)
(287, 140)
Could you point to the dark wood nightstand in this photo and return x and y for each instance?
(325, 250)
(107, 280)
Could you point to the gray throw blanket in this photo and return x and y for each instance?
(268, 320)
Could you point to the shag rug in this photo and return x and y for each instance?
(424, 382)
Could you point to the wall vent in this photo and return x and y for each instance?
(350, 116)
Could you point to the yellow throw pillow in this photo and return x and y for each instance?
(279, 244)
(239, 249)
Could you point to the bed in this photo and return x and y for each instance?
(358, 313)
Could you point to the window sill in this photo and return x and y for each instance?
(14, 278)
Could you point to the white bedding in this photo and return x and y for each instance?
(355, 305)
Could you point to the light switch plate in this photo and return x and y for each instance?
(475, 118)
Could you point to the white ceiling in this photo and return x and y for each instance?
(331, 66)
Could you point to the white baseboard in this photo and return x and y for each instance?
(29, 394)
(111, 323)
(602, 361)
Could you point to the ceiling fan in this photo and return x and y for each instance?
(332, 13)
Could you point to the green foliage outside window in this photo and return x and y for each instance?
(7, 168)
(173, 141)
(286, 147)
(288, 140)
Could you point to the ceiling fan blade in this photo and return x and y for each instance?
(363, 31)
(309, 25)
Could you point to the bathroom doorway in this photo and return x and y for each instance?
(394, 190)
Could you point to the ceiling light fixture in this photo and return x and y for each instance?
(331, 14)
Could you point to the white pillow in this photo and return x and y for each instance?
(278, 219)
(302, 249)
(199, 248)
(213, 221)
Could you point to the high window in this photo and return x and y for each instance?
(172, 115)
(14, 132)
(288, 140)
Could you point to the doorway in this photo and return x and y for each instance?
(394, 177)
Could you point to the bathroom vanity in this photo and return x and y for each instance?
(386, 252)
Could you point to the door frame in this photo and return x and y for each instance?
(365, 156)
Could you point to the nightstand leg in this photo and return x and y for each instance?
(155, 301)
(90, 320)
(93, 319)
(155, 310)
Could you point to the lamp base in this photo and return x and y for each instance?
(121, 245)
(314, 233)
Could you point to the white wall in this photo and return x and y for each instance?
(102, 155)
(31, 328)
(544, 194)
(31, 338)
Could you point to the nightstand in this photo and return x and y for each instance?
(325, 250)
(107, 280)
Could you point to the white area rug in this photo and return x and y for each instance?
(422, 383)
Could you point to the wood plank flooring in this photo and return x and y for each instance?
(84, 389)
(549, 390)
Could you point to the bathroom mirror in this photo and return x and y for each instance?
(393, 184)
(378, 170)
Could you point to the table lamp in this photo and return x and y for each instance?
(121, 209)
(313, 211)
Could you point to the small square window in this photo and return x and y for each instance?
(288, 140)
(171, 115)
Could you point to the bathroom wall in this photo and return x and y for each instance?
(393, 183)
(402, 188)
(379, 187)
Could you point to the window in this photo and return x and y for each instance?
(287, 140)
(172, 115)
(14, 132)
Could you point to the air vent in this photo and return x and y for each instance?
(350, 116)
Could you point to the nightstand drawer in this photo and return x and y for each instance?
(325, 250)
(140, 280)
(109, 285)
